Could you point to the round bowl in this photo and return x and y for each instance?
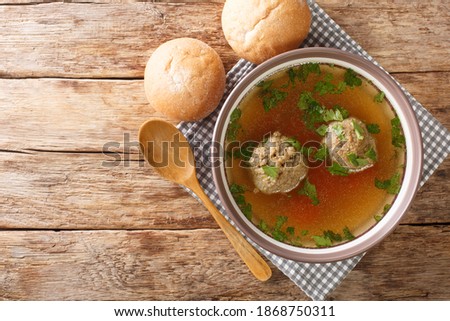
(413, 164)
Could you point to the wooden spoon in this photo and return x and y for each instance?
(168, 151)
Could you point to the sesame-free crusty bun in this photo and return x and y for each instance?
(260, 29)
(184, 79)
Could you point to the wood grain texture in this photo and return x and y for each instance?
(115, 40)
(200, 265)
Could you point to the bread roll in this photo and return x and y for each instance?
(260, 29)
(184, 79)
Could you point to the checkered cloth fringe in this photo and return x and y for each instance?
(316, 280)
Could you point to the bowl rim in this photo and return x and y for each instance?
(413, 160)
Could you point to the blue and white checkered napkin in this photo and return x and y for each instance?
(316, 280)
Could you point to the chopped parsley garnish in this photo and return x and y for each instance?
(329, 237)
(245, 151)
(236, 189)
(356, 161)
(386, 208)
(277, 234)
(379, 97)
(398, 140)
(347, 234)
(325, 86)
(392, 185)
(271, 96)
(373, 128)
(351, 78)
(330, 115)
(314, 112)
(234, 126)
(334, 237)
(371, 154)
(344, 112)
(312, 109)
(280, 222)
(271, 171)
(309, 190)
(337, 169)
(358, 130)
(322, 153)
(263, 226)
(304, 70)
(237, 192)
(304, 232)
(290, 230)
(322, 130)
(338, 130)
(322, 241)
(294, 143)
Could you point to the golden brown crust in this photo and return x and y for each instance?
(184, 79)
(259, 29)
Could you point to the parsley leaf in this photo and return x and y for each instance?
(309, 190)
(373, 128)
(353, 159)
(322, 153)
(338, 130)
(379, 97)
(271, 96)
(313, 110)
(236, 189)
(392, 185)
(371, 154)
(234, 126)
(322, 130)
(271, 171)
(280, 222)
(330, 115)
(351, 78)
(337, 169)
(344, 112)
(386, 208)
(358, 130)
(356, 161)
(322, 241)
(309, 68)
(325, 86)
(347, 234)
(334, 237)
(237, 192)
(294, 143)
(398, 140)
(290, 230)
(245, 151)
(263, 226)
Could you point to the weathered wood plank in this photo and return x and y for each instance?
(78, 191)
(411, 264)
(115, 40)
(182, 265)
(70, 114)
(84, 115)
(120, 265)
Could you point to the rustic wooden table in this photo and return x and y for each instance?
(73, 227)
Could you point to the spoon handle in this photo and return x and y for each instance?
(248, 254)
